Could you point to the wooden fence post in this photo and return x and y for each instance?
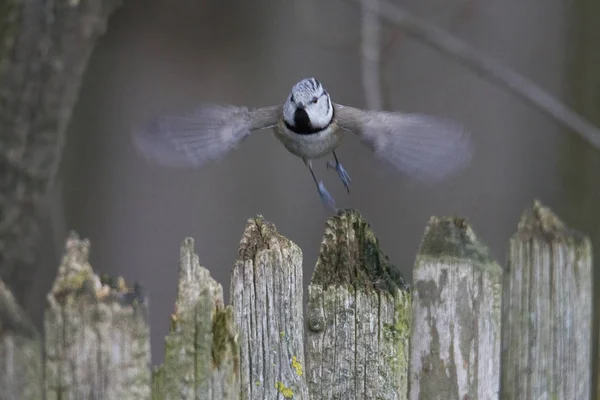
(358, 317)
(455, 341)
(201, 349)
(266, 294)
(472, 334)
(21, 375)
(97, 341)
(547, 307)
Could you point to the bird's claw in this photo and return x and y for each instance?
(326, 197)
(341, 172)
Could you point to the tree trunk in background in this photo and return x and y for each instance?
(44, 50)
(582, 162)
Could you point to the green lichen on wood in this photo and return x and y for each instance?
(350, 254)
(186, 348)
(176, 366)
(297, 366)
(76, 281)
(402, 337)
(201, 349)
(358, 295)
(225, 344)
(158, 383)
(284, 390)
(399, 334)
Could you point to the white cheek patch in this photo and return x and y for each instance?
(321, 113)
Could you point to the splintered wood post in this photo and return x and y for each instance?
(455, 341)
(266, 293)
(97, 340)
(201, 354)
(358, 317)
(547, 306)
(20, 352)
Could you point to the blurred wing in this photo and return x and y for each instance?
(195, 136)
(424, 147)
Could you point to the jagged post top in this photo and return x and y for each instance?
(350, 254)
(540, 221)
(453, 238)
(259, 235)
(76, 279)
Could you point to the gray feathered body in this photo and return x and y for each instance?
(312, 146)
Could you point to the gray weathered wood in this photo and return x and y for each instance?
(201, 356)
(20, 352)
(97, 340)
(358, 317)
(547, 305)
(455, 341)
(266, 293)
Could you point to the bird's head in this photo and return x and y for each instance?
(308, 108)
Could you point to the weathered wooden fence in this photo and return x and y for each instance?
(476, 330)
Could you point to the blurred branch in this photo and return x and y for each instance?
(371, 49)
(459, 17)
(487, 67)
(44, 50)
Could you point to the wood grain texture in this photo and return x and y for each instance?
(21, 374)
(97, 340)
(547, 306)
(266, 293)
(201, 355)
(358, 317)
(455, 343)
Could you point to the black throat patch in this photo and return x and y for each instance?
(302, 124)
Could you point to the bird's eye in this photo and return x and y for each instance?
(314, 100)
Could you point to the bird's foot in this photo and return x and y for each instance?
(341, 172)
(326, 197)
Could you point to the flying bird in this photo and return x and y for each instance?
(310, 126)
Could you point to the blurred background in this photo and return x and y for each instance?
(159, 53)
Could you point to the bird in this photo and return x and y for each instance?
(424, 147)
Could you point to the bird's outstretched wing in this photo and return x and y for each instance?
(194, 136)
(424, 147)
